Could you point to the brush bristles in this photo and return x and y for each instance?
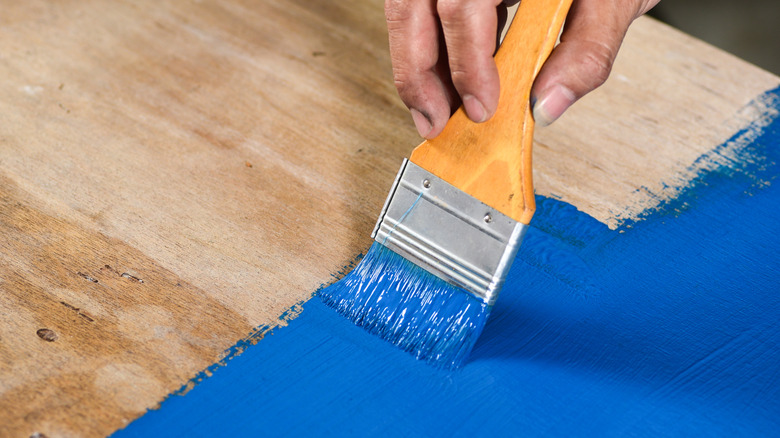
(392, 297)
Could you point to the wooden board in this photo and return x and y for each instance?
(633, 142)
(174, 175)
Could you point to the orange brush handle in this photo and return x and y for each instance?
(491, 161)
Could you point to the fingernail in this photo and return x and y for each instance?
(421, 122)
(474, 108)
(552, 104)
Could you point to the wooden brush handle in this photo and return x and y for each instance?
(491, 161)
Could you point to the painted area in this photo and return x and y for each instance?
(669, 326)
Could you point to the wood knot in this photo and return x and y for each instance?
(47, 335)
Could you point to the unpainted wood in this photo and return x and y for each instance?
(92, 330)
(634, 142)
(492, 161)
(238, 147)
(234, 156)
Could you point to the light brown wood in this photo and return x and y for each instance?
(119, 328)
(633, 143)
(492, 161)
(127, 132)
(234, 156)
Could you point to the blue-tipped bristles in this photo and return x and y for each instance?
(392, 297)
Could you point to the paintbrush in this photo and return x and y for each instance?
(456, 214)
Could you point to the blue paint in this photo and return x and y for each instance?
(406, 305)
(669, 326)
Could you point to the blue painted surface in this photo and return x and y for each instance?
(668, 326)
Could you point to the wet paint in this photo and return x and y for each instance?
(406, 305)
(667, 326)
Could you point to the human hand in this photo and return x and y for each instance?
(442, 55)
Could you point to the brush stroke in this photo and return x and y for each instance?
(406, 305)
(667, 326)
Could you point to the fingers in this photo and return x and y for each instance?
(583, 60)
(419, 72)
(469, 28)
(429, 77)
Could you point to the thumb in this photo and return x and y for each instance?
(583, 60)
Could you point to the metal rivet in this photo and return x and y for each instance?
(426, 184)
(488, 218)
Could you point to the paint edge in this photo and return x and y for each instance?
(256, 335)
(762, 110)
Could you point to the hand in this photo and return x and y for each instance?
(442, 54)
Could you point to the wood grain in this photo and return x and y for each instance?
(491, 161)
(634, 142)
(234, 155)
(92, 330)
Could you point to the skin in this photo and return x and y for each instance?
(442, 55)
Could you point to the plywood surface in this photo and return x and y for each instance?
(633, 142)
(176, 174)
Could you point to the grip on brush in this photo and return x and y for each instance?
(491, 161)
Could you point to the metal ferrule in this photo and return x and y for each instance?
(448, 232)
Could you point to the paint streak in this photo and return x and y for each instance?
(668, 326)
(409, 307)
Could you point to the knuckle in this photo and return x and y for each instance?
(598, 61)
(461, 9)
(402, 86)
(397, 10)
(403, 83)
(449, 9)
(461, 78)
